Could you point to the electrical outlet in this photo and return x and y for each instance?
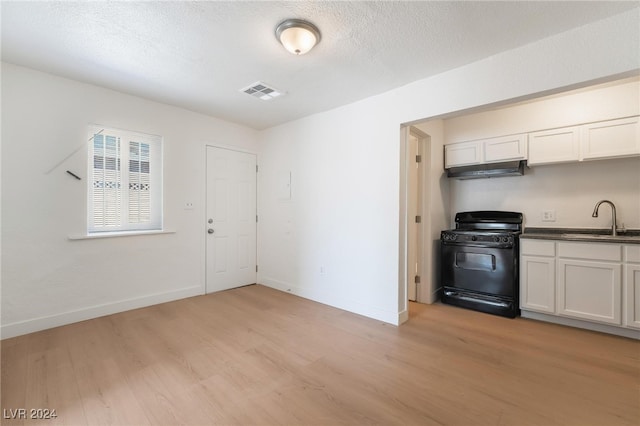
(188, 206)
(549, 216)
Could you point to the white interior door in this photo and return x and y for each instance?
(231, 219)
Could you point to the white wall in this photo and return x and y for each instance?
(49, 280)
(596, 103)
(343, 215)
(339, 217)
(570, 189)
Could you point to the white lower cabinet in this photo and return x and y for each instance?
(593, 282)
(632, 293)
(590, 281)
(537, 276)
(590, 290)
(632, 286)
(538, 287)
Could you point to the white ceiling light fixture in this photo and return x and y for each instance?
(297, 36)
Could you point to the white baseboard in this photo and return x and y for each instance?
(403, 316)
(602, 328)
(321, 297)
(431, 298)
(37, 324)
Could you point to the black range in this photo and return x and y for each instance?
(480, 262)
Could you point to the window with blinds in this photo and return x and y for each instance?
(125, 181)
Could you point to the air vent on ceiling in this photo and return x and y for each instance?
(262, 91)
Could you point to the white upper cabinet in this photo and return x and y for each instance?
(462, 154)
(593, 141)
(494, 150)
(505, 148)
(554, 146)
(610, 139)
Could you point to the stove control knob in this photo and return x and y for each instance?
(473, 238)
(505, 239)
(496, 239)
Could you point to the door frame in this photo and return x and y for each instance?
(203, 210)
(404, 274)
(415, 235)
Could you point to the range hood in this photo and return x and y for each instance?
(478, 171)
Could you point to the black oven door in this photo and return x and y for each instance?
(481, 278)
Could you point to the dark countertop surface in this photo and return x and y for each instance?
(628, 236)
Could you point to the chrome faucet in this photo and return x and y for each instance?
(614, 229)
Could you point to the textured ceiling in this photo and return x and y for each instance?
(197, 55)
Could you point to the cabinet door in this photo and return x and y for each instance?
(590, 290)
(462, 154)
(537, 283)
(505, 148)
(554, 146)
(591, 251)
(534, 247)
(632, 295)
(613, 138)
(632, 254)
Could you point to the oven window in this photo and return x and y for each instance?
(476, 261)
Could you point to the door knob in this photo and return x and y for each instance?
(210, 231)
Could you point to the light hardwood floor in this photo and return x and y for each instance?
(254, 355)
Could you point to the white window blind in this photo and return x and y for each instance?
(125, 181)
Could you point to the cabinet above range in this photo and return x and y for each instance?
(580, 142)
(492, 150)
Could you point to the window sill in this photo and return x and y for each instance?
(117, 234)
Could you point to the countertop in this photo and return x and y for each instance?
(628, 236)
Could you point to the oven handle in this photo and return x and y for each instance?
(456, 295)
(481, 245)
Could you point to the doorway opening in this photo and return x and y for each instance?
(414, 223)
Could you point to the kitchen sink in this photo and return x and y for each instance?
(625, 236)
